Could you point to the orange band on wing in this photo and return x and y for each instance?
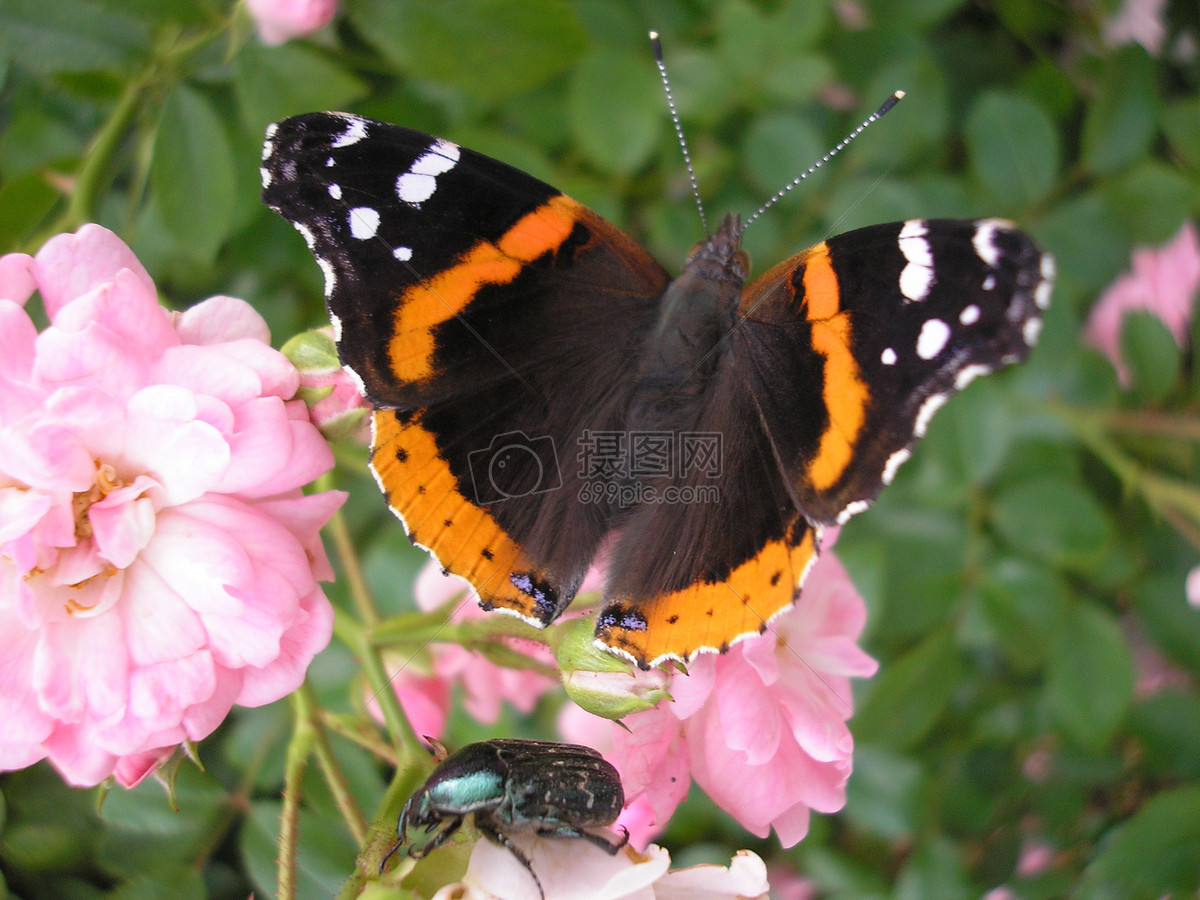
(464, 537)
(708, 616)
(845, 393)
(427, 305)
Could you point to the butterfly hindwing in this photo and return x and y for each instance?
(717, 549)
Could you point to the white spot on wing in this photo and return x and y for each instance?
(917, 277)
(309, 238)
(969, 315)
(420, 181)
(266, 177)
(852, 509)
(969, 374)
(894, 462)
(404, 254)
(330, 276)
(335, 191)
(984, 240)
(932, 339)
(355, 132)
(925, 413)
(1031, 331)
(1041, 296)
(915, 282)
(415, 189)
(441, 157)
(888, 356)
(364, 222)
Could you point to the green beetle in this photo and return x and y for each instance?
(550, 789)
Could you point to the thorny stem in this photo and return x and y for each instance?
(299, 747)
(307, 706)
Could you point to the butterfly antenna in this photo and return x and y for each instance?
(878, 114)
(656, 43)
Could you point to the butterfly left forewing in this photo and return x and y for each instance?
(475, 304)
(871, 332)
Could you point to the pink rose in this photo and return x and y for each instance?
(158, 560)
(1164, 282)
(279, 21)
(1138, 21)
(762, 728)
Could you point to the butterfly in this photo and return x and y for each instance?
(543, 388)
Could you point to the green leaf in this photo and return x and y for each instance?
(1025, 605)
(798, 77)
(1120, 121)
(884, 796)
(904, 701)
(1054, 520)
(1154, 854)
(981, 426)
(1090, 677)
(1166, 724)
(273, 83)
(68, 36)
(179, 882)
(1170, 621)
(743, 37)
(48, 826)
(934, 871)
(35, 137)
(858, 201)
(192, 172)
(1013, 149)
(1088, 241)
(489, 49)
(1181, 122)
(144, 834)
(1152, 201)
(614, 107)
(24, 202)
(915, 14)
(797, 26)
(777, 148)
(1150, 351)
(918, 125)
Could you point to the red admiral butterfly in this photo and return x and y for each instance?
(541, 383)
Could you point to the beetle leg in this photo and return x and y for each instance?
(440, 839)
(488, 828)
(571, 831)
(401, 835)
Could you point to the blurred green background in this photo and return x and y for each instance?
(1035, 723)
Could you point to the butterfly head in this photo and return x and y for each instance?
(721, 256)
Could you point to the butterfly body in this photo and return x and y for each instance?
(543, 387)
